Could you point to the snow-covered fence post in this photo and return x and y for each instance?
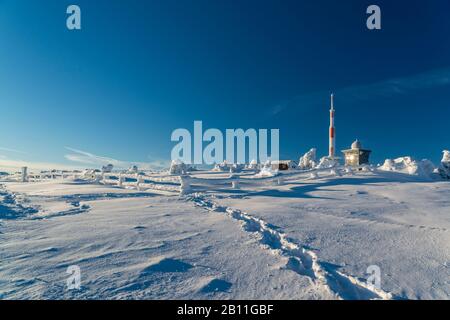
(138, 182)
(24, 176)
(349, 170)
(185, 184)
(314, 175)
(335, 172)
(280, 181)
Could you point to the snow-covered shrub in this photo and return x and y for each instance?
(308, 160)
(178, 167)
(253, 165)
(446, 157)
(224, 167)
(108, 168)
(235, 168)
(185, 185)
(89, 174)
(444, 169)
(422, 168)
(133, 169)
(326, 162)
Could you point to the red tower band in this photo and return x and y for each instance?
(332, 141)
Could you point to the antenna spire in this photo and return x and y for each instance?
(332, 141)
(332, 101)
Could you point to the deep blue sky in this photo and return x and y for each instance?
(139, 69)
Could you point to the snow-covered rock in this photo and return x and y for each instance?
(408, 165)
(308, 160)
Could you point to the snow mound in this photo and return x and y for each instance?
(326, 162)
(422, 168)
(267, 171)
(308, 160)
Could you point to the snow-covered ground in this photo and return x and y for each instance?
(288, 237)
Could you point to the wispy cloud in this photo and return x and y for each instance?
(91, 159)
(81, 160)
(12, 165)
(11, 150)
(386, 88)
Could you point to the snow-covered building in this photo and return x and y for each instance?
(356, 156)
(284, 165)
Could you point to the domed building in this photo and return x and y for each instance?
(356, 156)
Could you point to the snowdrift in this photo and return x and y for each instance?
(267, 171)
(423, 168)
(326, 162)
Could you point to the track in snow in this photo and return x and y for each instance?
(300, 259)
